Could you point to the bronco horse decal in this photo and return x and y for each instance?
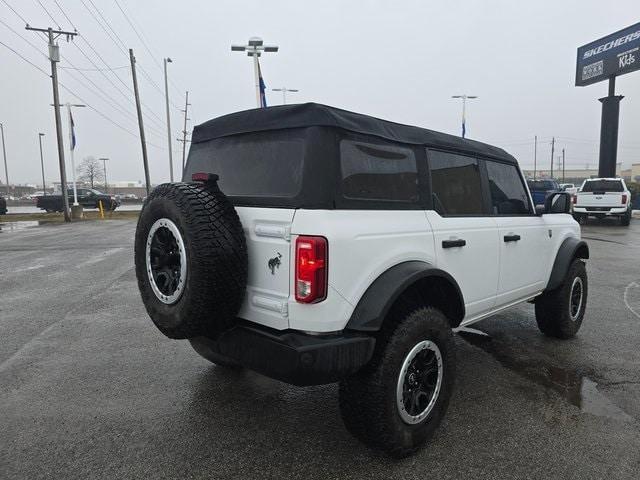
(274, 263)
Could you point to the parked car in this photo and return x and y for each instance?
(3, 206)
(316, 245)
(569, 188)
(87, 197)
(603, 197)
(541, 189)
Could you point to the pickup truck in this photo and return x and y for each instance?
(87, 197)
(541, 189)
(603, 197)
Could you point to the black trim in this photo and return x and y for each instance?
(570, 249)
(383, 292)
(292, 356)
(453, 243)
(511, 238)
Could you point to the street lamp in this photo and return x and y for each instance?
(166, 96)
(44, 185)
(4, 153)
(284, 91)
(104, 163)
(254, 49)
(464, 108)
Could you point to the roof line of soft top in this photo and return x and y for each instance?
(313, 114)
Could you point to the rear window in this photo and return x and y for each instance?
(603, 186)
(265, 164)
(542, 185)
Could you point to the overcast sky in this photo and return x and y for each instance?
(398, 60)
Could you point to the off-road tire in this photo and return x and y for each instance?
(216, 259)
(203, 347)
(625, 220)
(553, 313)
(368, 399)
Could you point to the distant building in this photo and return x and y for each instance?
(573, 175)
(631, 174)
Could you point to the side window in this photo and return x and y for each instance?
(378, 172)
(455, 183)
(508, 196)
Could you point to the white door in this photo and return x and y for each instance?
(524, 238)
(466, 237)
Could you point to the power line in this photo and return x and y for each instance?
(39, 50)
(95, 69)
(23, 58)
(48, 14)
(65, 15)
(14, 11)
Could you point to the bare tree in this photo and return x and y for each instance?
(90, 170)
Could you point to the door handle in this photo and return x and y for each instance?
(453, 243)
(511, 238)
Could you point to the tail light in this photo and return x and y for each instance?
(624, 198)
(311, 269)
(574, 199)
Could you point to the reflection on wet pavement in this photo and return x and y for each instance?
(575, 385)
(16, 226)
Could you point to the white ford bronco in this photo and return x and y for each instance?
(603, 197)
(316, 245)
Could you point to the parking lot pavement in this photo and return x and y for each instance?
(90, 389)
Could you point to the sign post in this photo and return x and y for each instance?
(605, 59)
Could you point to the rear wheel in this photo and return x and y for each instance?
(625, 220)
(559, 313)
(397, 401)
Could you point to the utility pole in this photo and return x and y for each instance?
(54, 57)
(563, 165)
(553, 144)
(104, 164)
(535, 155)
(4, 153)
(140, 122)
(464, 98)
(254, 49)
(184, 131)
(166, 96)
(44, 185)
(284, 91)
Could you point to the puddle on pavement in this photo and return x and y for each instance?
(21, 225)
(574, 385)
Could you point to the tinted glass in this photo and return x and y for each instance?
(455, 183)
(603, 186)
(508, 196)
(542, 185)
(267, 164)
(375, 172)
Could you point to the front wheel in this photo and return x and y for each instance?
(397, 401)
(559, 313)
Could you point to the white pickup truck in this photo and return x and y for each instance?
(603, 197)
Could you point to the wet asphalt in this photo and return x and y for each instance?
(90, 389)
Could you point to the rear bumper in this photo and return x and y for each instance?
(295, 357)
(600, 210)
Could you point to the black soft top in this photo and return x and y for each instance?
(314, 114)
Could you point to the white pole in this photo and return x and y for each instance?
(166, 96)
(257, 77)
(464, 111)
(73, 165)
(284, 95)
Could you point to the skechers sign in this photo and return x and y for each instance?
(613, 55)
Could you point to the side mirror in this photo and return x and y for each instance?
(558, 202)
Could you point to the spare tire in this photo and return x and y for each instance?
(191, 259)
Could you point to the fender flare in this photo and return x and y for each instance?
(569, 249)
(374, 305)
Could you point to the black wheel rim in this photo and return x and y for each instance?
(575, 298)
(419, 382)
(166, 261)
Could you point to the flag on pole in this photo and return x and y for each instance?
(73, 131)
(263, 88)
(464, 130)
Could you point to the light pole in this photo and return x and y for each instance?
(72, 147)
(464, 98)
(104, 163)
(254, 49)
(4, 153)
(44, 185)
(284, 91)
(166, 96)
